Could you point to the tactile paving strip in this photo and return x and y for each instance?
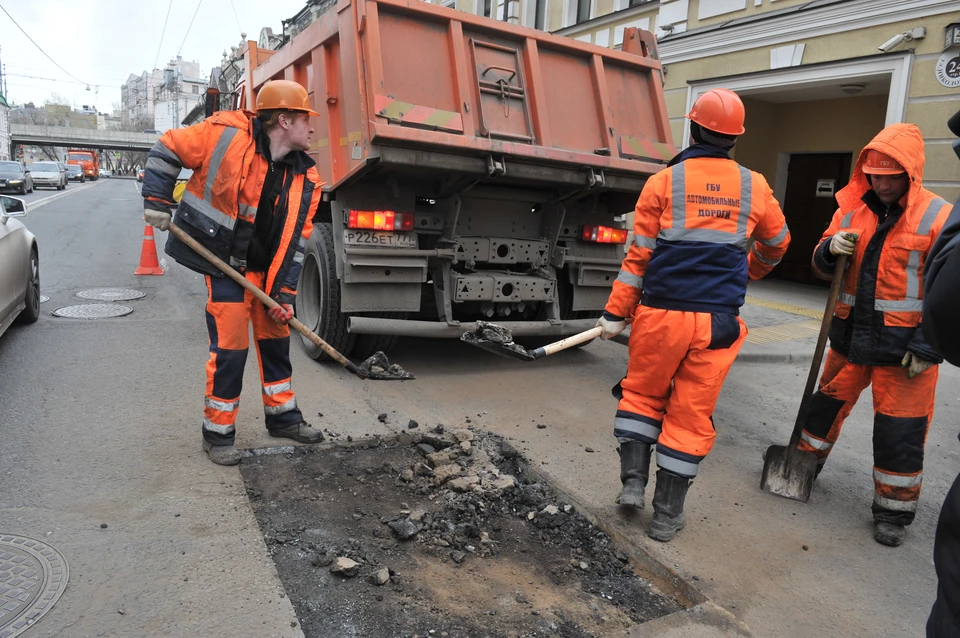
(33, 576)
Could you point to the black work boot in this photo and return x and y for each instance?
(634, 471)
(890, 534)
(221, 454)
(668, 517)
(302, 432)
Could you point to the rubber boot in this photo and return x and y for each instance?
(302, 432)
(222, 454)
(890, 534)
(668, 517)
(634, 472)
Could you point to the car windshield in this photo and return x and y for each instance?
(78, 157)
(44, 167)
(73, 168)
(9, 166)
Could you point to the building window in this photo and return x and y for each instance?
(583, 11)
(540, 17)
(487, 8)
(196, 89)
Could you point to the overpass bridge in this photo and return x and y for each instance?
(72, 137)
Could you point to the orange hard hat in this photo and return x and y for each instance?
(284, 94)
(719, 110)
(877, 163)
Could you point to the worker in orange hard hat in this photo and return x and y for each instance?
(683, 282)
(250, 201)
(886, 223)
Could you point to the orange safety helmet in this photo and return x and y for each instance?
(877, 163)
(719, 110)
(284, 94)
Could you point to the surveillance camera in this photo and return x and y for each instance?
(892, 42)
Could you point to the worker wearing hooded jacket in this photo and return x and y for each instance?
(886, 222)
(683, 282)
(250, 201)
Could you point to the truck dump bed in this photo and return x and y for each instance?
(401, 76)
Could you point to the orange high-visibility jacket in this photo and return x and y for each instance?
(878, 313)
(691, 229)
(220, 202)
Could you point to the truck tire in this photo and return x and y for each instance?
(318, 296)
(366, 345)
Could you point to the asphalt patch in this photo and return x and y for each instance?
(442, 533)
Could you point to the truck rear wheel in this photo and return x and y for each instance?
(318, 296)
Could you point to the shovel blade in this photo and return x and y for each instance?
(788, 472)
(508, 350)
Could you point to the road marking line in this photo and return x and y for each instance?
(46, 200)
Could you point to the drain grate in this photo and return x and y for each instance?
(44, 299)
(33, 575)
(93, 311)
(111, 294)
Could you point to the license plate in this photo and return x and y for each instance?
(385, 239)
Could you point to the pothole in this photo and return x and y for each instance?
(33, 576)
(111, 294)
(447, 535)
(93, 311)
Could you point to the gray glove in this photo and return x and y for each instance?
(843, 243)
(915, 365)
(611, 328)
(157, 218)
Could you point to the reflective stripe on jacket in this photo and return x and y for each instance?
(880, 306)
(219, 205)
(692, 226)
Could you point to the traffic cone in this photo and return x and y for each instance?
(148, 255)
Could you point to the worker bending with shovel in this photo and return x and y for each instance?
(886, 223)
(250, 201)
(682, 283)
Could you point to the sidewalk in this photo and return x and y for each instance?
(783, 319)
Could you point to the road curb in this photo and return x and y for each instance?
(46, 200)
(773, 357)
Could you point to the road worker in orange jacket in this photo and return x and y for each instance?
(683, 282)
(250, 201)
(886, 222)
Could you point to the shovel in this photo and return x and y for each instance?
(788, 471)
(499, 340)
(376, 367)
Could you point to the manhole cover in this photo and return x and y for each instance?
(33, 575)
(111, 294)
(93, 311)
(44, 299)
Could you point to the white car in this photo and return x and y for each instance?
(19, 266)
(48, 174)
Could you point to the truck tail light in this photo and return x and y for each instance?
(381, 220)
(604, 235)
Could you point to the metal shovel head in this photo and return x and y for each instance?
(498, 340)
(788, 472)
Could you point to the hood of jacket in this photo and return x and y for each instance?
(902, 142)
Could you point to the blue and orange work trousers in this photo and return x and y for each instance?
(678, 362)
(230, 311)
(903, 409)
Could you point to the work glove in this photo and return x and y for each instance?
(282, 313)
(157, 218)
(611, 327)
(914, 365)
(843, 243)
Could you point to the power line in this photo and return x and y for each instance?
(40, 48)
(162, 33)
(36, 77)
(239, 28)
(188, 28)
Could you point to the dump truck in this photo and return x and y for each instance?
(473, 170)
(88, 161)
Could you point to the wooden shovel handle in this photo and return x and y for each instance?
(835, 284)
(264, 298)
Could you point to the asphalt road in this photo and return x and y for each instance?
(100, 424)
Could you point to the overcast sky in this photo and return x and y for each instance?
(101, 42)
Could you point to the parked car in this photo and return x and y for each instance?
(48, 174)
(140, 175)
(14, 177)
(19, 266)
(104, 172)
(75, 173)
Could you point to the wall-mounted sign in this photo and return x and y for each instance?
(948, 68)
(825, 187)
(951, 36)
